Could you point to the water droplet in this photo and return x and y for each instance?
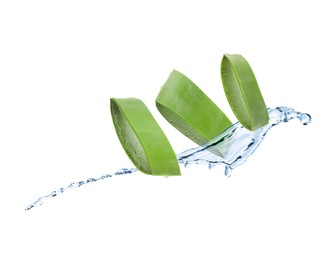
(227, 171)
(72, 185)
(305, 119)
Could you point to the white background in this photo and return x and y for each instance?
(61, 61)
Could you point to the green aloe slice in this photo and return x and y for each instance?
(242, 92)
(142, 138)
(189, 110)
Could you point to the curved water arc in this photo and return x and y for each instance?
(231, 148)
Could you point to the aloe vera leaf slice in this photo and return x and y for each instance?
(242, 92)
(190, 110)
(142, 138)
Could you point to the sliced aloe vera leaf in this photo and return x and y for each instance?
(189, 110)
(242, 92)
(142, 138)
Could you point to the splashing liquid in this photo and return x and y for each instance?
(231, 148)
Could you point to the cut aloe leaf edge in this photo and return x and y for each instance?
(186, 107)
(142, 138)
(242, 92)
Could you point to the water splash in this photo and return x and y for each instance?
(75, 185)
(231, 148)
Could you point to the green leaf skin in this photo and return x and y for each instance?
(189, 110)
(142, 138)
(242, 92)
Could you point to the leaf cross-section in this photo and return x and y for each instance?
(242, 92)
